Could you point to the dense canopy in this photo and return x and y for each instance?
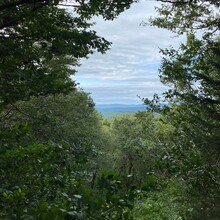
(60, 159)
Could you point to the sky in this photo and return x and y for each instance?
(129, 70)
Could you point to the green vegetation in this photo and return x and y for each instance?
(60, 160)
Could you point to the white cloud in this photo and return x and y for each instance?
(130, 68)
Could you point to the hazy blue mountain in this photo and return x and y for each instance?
(112, 110)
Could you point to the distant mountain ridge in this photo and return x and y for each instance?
(119, 106)
(112, 110)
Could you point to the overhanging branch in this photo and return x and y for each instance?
(21, 2)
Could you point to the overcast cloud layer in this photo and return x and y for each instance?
(130, 68)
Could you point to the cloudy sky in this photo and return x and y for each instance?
(130, 68)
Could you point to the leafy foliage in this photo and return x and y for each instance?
(37, 35)
(70, 118)
(59, 160)
(192, 73)
(169, 203)
(186, 16)
(48, 159)
(47, 139)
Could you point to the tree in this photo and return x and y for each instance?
(185, 16)
(192, 72)
(136, 145)
(49, 149)
(71, 118)
(36, 34)
(46, 144)
(145, 150)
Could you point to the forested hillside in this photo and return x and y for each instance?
(59, 159)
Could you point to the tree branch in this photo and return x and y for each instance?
(15, 20)
(7, 113)
(176, 2)
(21, 2)
(25, 114)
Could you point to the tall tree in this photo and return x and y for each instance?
(44, 174)
(36, 34)
(192, 71)
(193, 74)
